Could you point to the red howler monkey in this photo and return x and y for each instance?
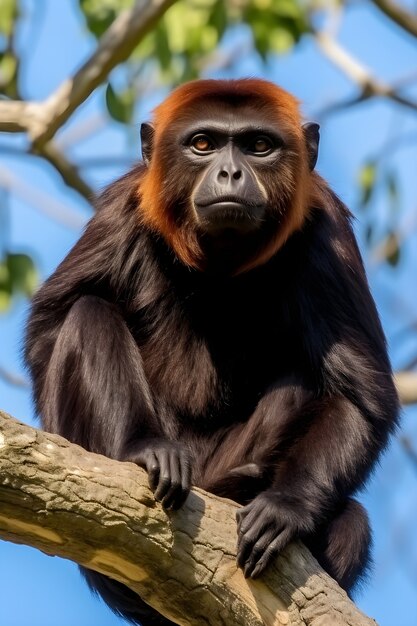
(214, 325)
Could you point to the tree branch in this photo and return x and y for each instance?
(360, 75)
(65, 501)
(399, 15)
(406, 383)
(67, 170)
(41, 201)
(42, 119)
(13, 379)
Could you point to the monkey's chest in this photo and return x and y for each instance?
(215, 365)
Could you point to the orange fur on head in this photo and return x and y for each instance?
(183, 238)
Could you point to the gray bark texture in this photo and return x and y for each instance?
(100, 513)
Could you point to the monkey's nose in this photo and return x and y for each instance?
(225, 176)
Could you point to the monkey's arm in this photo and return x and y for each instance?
(95, 393)
(334, 446)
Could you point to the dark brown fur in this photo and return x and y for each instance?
(283, 366)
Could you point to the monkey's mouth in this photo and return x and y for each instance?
(229, 212)
(233, 202)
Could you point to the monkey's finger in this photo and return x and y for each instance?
(247, 541)
(164, 481)
(268, 554)
(152, 467)
(185, 462)
(170, 500)
(257, 551)
(180, 494)
(250, 515)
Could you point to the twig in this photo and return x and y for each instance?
(81, 131)
(65, 168)
(390, 244)
(399, 15)
(13, 379)
(409, 450)
(41, 120)
(406, 383)
(114, 47)
(40, 200)
(359, 74)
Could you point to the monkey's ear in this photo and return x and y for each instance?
(147, 132)
(312, 137)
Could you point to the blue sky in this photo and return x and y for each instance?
(37, 590)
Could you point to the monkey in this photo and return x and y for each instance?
(214, 325)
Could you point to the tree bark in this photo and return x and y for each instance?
(100, 513)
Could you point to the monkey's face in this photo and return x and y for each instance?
(231, 168)
(227, 167)
(229, 154)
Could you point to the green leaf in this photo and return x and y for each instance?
(218, 17)
(8, 67)
(8, 15)
(367, 179)
(392, 246)
(5, 300)
(120, 105)
(23, 274)
(280, 40)
(99, 14)
(369, 234)
(5, 287)
(4, 274)
(393, 194)
(162, 48)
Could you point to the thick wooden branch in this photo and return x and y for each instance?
(67, 502)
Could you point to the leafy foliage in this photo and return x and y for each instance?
(9, 63)
(18, 275)
(99, 14)
(182, 43)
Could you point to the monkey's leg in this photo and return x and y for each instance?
(242, 458)
(96, 394)
(342, 546)
(123, 601)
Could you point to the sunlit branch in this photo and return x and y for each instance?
(13, 379)
(40, 200)
(399, 15)
(360, 75)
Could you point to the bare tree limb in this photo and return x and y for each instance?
(67, 170)
(40, 200)
(13, 379)
(406, 383)
(115, 46)
(17, 116)
(399, 15)
(100, 513)
(409, 450)
(42, 119)
(360, 75)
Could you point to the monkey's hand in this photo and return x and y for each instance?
(265, 526)
(168, 465)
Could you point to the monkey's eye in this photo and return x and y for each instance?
(201, 143)
(261, 145)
